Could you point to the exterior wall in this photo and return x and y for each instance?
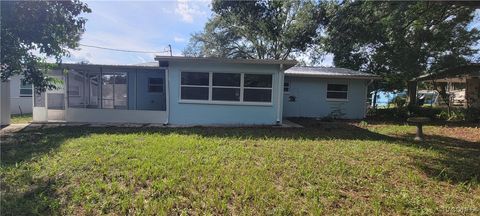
(4, 103)
(114, 116)
(17, 102)
(183, 113)
(311, 98)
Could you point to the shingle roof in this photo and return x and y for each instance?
(329, 72)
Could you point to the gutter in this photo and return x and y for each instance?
(280, 95)
(167, 96)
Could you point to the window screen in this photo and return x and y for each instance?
(337, 91)
(194, 86)
(155, 85)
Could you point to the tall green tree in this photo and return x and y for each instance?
(30, 29)
(259, 29)
(400, 40)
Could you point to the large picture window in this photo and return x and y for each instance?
(226, 87)
(337, 91)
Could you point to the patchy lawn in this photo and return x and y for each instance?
(325, 168)
(20, 119)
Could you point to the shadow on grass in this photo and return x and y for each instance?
(459, 161)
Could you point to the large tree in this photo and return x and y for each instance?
(400, 40)
(259, 29)
(34, 30)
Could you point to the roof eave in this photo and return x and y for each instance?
(334, 77)
(286, 63)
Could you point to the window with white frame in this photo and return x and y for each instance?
(337, 91)
(227, 87)
(25, 89)
(195, 86)
(257, 88)
(155, 85)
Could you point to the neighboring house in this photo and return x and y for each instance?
(326, 92)
(201, 91)
(20, 96)
(462, 83)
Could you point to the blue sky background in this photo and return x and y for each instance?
(138, 25)
(146, 26)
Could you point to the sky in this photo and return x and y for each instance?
(146, 26)
(138, 25)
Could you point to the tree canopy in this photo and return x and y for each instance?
(31, 29)
(259, 29)
(397, 40)
(400, 40)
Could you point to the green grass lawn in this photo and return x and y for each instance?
(20, 119)
(325, 168)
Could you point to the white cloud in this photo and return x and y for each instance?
(178, 39)
(187, 10)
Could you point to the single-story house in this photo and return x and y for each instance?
(202, 91)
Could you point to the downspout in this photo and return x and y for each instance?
(280, 95)
(366, 95)
(167, 95)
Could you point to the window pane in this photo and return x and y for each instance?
(75, 86)
(337, 95)
(108, 104)
(194, 78)
(155, 81)
(39, 100)
(195, 93)
(258, 80)
(92, 90)
(25, 85)
(120, 91)
(226, 79)
(257, 95)
(107, 86)
(26, 92)
(337, 87)
(155, 85)
(56, 101)
(226, 94)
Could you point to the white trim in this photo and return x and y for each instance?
(336, 100)
(217, 102)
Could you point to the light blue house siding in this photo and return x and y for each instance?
(221, 113)
(310, 98)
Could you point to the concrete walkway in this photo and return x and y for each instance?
(13, 128)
